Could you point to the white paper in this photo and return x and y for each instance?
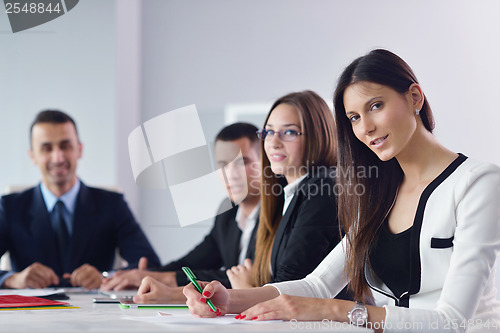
(188, 319)
(119, 294)
(32, 292)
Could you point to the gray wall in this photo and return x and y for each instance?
(116, 64)
(69, 64)
(216, 52)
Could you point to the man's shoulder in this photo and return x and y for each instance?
(225, 205)
(93, 198)
(226, 212)
(19, 197)
(100, 193)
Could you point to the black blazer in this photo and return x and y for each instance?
(102, 222)
(216, 253)
(308, 231)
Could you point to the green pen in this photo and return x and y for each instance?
(192, 278)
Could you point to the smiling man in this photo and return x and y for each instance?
(62, 232)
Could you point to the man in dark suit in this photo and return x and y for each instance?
(232, 238)
(62, 232)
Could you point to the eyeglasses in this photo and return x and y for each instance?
(285, 135)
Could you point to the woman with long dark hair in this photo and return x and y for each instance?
(423, 231)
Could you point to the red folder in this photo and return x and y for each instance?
(17, 301)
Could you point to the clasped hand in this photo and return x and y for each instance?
(38, 275)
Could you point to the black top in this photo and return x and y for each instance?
(390, 259)
(413, 240)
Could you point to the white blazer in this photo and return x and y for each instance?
(455, 243)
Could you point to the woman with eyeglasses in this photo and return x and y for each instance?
(425, 234)
(298, 223)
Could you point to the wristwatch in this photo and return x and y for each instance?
(358, 315)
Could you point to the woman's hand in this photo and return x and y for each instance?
(288, 307)
(197, 302)
(240, 276)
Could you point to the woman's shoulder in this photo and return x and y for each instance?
(475, 168)
(319, 182)
(321, 172)
(477, 173)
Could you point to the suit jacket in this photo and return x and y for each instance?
(102, 222)
(216, 253)
(308, 231)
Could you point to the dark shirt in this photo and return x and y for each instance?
(390, 259)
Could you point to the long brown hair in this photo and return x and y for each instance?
(362, 214)
(318, 149)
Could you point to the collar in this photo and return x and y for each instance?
(242, 221)
(68, 198)
(291, 188)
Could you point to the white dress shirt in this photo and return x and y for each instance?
(290, 190)
(246, 225)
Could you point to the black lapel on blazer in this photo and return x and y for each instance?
(285, 220)
(231, 244)
(251, 245)
(415, 264)
(84, 218)
(41, 231)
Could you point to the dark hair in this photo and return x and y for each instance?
(237, 131)
(362, 215)
(53, 117)
(318, 149)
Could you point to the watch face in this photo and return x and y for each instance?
(359, 316)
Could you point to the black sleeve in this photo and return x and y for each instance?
(314, 233)
(4, 237)
(215, 252)
(205, 261)
(204, 275)
(205, 255)
(132, 241)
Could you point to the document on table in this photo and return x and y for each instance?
(17, 302)
(167, 318)
(44, 292)
(119, 294)
(48, 292)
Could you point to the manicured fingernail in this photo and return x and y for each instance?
(206, 293)
(212, 310)
(253, 318)
(242, 317)
(203, 299)
(237, 316)
(218, 313)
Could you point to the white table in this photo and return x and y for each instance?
(92, 317)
